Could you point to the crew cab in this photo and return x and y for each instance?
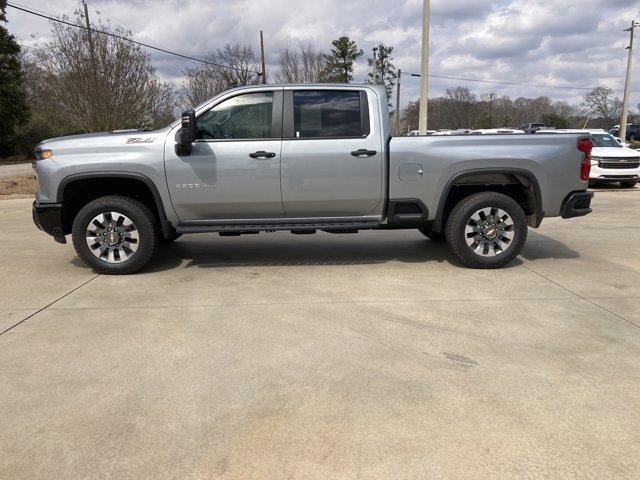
(302, 158)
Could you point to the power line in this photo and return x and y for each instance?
(207, 62)
(114, 35)
(496, 82)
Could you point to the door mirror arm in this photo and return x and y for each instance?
(187, 133)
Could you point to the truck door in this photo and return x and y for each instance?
(332, 154)
(233, 171)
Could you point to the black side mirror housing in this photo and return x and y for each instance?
(187, 133)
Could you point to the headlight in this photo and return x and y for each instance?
(43, 154)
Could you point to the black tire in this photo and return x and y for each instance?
(461, 216)
(431, 235)
(144, 223)
(172, 238)
(628, 183)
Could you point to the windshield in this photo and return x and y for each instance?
(604, 140)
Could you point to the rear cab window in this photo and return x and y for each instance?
(328, 114)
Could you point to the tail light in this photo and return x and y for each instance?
(585, 145)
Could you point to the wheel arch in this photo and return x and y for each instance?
(525, 178)
(73, 189)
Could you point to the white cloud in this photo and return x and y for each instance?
(569, 42)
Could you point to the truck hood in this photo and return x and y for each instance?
(96, 141)
(614, 152)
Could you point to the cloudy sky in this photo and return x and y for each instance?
(577, 43)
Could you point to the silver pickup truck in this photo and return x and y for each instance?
(302, 158)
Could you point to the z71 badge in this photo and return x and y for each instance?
(140, 140)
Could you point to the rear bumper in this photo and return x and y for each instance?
(577, 204)
(48, 218)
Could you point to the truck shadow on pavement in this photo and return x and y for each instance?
(214, 252)
(539, 247)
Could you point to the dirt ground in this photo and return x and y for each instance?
(22, 186)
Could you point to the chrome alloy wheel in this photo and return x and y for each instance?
(112, 237)
(489, 231)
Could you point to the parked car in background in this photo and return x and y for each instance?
(533, 127)
(619, 140)
(633, 132)
(610, 161)
(415, 133)
(499, 131)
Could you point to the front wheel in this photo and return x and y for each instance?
(486, 230)
(628, 183)
(115, 235)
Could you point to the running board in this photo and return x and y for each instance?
(345, 227)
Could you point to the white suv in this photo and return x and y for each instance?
(611, 162)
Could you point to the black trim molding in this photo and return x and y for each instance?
(166, 225)
(437, 223)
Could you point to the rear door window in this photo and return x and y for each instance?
(327, 114)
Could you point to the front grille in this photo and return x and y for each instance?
(620, 163)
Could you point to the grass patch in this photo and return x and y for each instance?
(18, 187)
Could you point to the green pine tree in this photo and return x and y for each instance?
(385, 72)
(339, 63)
(14, 110)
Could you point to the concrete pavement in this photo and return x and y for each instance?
(329, 356)
(15, 170)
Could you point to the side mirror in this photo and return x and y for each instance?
(187, 133)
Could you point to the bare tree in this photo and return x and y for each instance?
(289, 68)
(202, 83)
(305, 66)
(313, 65)
(103, 85)
(460, 103)
(239, 64)
(601, 103)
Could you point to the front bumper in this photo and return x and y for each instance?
(577, 204)
(48, 218)
(602, 174)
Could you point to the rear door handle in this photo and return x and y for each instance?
(262, 154)
(363, 152)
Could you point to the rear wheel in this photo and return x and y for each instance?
(115, 235)
(628, 183)
(486, 230)
(431, 235)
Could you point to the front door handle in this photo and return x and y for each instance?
(363, 152)
(262, 154)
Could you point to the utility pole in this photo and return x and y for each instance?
(627, 83)
(398, 102)
(491, 95)
(94, 65)
(424, 70)
(374, 79)
(264, 71)
(381, 62)
(90, 38)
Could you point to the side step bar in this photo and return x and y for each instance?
(347, 227)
